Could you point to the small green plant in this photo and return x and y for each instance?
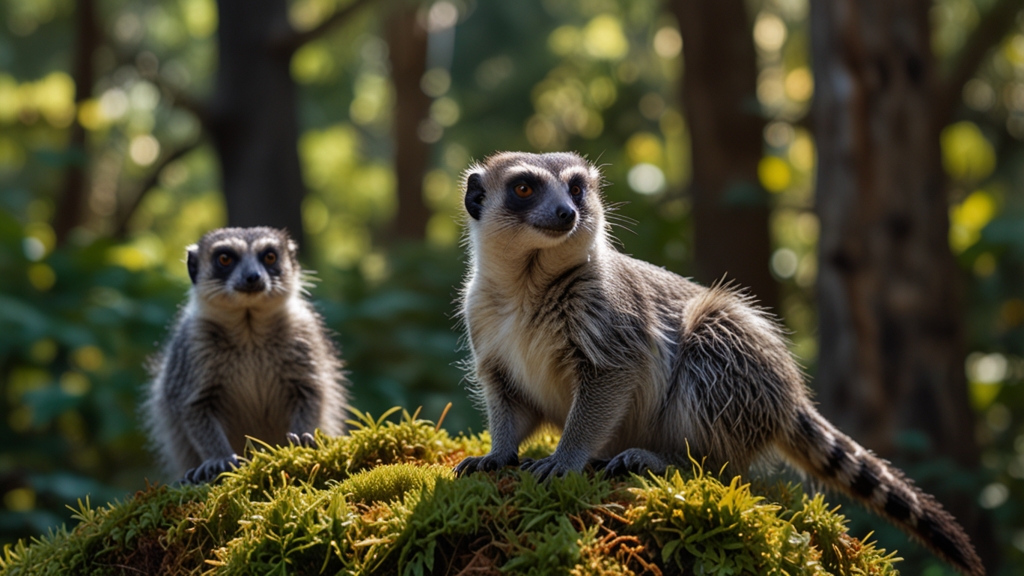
(383, 500)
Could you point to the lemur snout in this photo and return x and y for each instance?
(566, 214)
(560, 218)
(250, 282)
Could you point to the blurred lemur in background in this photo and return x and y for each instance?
(636, 365)
(248, 356)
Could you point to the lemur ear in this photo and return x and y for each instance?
(192, 261)
(475, 195)
(293, 249)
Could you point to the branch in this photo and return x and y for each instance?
(181, 99)
(993, 27)
(293, 41)
(121, 229)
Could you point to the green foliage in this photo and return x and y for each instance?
(278, 515)
(398, 335)
(704, 526)
(123, 532)
(840, 554)
(77, 329)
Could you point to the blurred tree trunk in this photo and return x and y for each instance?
(719, 92)
(70, 212)
(253, 117)
(407, 42)
(891, 313)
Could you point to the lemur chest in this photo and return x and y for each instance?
(254, 394)
(531, 352)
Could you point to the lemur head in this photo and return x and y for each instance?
(244, 267)
(536, 200)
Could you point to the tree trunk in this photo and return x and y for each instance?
(253, 118)
(891, 326)
(70, 211)
(407, 40)
(719, 87)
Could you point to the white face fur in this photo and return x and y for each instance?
(244, 268)
(523, 202)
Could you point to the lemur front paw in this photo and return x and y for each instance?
(486, 463)
(637, 461)
(210, 469)
(307, 440)
(550, 466)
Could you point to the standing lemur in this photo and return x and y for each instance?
(248, 356)
(635, 364)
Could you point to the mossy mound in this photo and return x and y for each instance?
(383, 500)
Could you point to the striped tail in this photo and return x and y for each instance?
(818, 448)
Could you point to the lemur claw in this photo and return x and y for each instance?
(210, 470)
(486, 463)
(547, 467)
(306, 440)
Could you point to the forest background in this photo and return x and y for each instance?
(858, 165)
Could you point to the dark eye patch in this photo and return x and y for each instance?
(577, 182)
(221, 271)
(580, 200)
(516, 203)
(272, 264)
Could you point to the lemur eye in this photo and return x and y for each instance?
(225, 260)
(576, 190)
(269, 258)
(523, 190)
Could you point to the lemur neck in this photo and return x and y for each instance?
(523, 272)
(247, 323)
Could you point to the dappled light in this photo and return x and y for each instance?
(822, 174)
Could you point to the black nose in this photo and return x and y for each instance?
(250, 282)
(565, 213)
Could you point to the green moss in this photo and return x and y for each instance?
(391, 482)
(383, 500)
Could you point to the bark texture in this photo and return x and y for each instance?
(253, 117)
(407, 42)
(70, 211)
(891, 314)
(719, 91)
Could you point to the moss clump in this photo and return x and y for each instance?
(383, 500)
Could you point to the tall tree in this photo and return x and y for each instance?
(891, 328)
(407, 42)
(719, 91)
(253, 115)
(71, 203)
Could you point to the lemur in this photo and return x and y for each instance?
(635, 364)
(248, 356)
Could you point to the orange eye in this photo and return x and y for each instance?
(576, 190)
(523, 190)
(269, 258)
(224, 260)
